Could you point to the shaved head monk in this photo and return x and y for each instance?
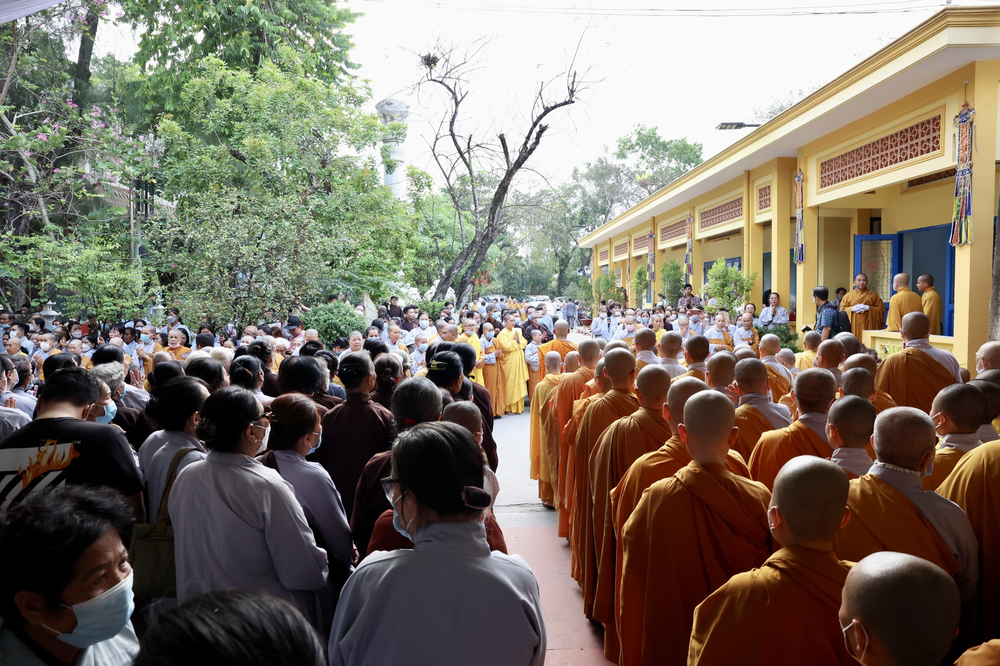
(720, 371)
(849, 428)
(785, 612)
(619, 368)
(858, 382)
(880, 399)
(645, 348)
(806, 359)
(957, 413)
(744, 353)
(687, 536)
(892, 511)
(695, 352)
(988, 356)
(562, 398)
(899, 609)
(863, 306)
(914, 375)
(851, 344)
(987, 430)
(560, 344)
(973, 486)
(786, 357)
(902, 303)
(756, 413)
(815, 391)
(781, 378)
(624, 441)
(660, 464)
(571, 363)
(541, 467)
(829, 356)
(670, 345)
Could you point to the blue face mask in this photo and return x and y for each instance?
(423, 323)
(101, 618)
(318, 443)
(110, 411)
(489, 335)
(397, 523)
(423, 346)
(144, 337)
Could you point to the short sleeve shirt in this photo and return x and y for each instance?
(825, 317)
(49, 452)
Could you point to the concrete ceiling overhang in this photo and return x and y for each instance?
(11, 10)
(950, 40)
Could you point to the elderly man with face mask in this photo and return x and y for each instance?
(536, 322)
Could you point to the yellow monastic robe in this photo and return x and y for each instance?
(903, 302)
(550, 442)
(780, 386)
(752, 425)
(562, 346)
(805, 359)
(776, 447)
(477, 374)
(515, 368)
(882, 401)
(493, 378)
(622, 443)
(912, 378)
(537, 442)
(944, 462)
(697, 374)
(563, 397)
(863, 321)
(930, 301)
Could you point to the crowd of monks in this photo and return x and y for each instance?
(736, 507)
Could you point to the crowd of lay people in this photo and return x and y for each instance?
(315, 497)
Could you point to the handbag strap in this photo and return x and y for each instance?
(163, 515)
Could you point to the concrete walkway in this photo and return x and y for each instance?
(530, 531)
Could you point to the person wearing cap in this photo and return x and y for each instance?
(295, 333)
(490, 600)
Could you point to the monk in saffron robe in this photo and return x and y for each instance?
(688, 535)
(914, 375)
(958, 411)
(786, 611)
(660, 464)
(469, 336)
(893, 512)
(512, 342)
(563, 396)
(829, 356)
(645, 348)
(930, 301)
(781, 378)
(695, 352)
(880, 399)
(973, 486)
(493, 374)
(849, 427)
(806, 359)
(756, 413)
(559, 344)
(537, 446)
(570, 433)
(898, 609)
(815, 391)
(619, 368)
(902, 303)
(864, 306)
(622, 443)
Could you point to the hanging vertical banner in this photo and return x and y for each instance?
(689, 255)
(651, 264)
(961, 218)
(800, 234)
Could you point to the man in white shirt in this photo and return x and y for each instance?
(774, 313)
(696, 321)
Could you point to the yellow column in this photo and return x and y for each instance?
(782, 216)
(697, 277)
(806, 271)
(973, 263)
(753, 241)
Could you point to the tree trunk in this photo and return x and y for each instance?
(81, 77)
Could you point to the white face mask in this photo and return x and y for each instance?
(46, 345)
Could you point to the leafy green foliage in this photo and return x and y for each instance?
(176, 34)
(729, 287)
(605, 288)
(333, 320)
(657, 161)
(433, 308)
(672, 281)
(789, 340)
(640, 285)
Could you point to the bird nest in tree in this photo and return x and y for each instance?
(429, 60)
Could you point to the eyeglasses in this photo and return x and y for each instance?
(387, 487)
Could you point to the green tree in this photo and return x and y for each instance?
(672, 281)
(729, 287)
(655, 160)
(333, 320)
(640, 285)
(176, 34)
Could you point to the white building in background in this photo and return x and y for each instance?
(393, 110)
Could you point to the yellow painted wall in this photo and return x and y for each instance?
(713, 249)
(926, 206)
(835, 252)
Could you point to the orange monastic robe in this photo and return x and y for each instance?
(622, 443)
(694, 372)
(471, 339)
(777, 447)
(563, 396)
(562, 346)
(752, 425)
(538, 440)
(883, 518)
(944, 462)
(514, 367)
(780, 386)
(601, 413)
(495, 379)
(902, 303)
(872, 319)
(930, 303)
(785, 612)
(882, 401)
(973, 486)
(550, 443)
(912, 378)
(805, 359)
(689, 534)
